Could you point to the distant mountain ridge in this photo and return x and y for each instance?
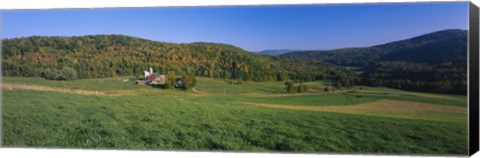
(275, 52)
(432, 48)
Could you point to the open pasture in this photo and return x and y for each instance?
(247, 117)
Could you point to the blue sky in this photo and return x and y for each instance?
(253, 28)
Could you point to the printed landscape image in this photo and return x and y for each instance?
(350, 78)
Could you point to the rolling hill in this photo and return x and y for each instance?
(434, 62)
(99, 56)
(433, 48)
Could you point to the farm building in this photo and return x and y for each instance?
(151, 78)
(156, 79)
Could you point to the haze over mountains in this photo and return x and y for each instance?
(441, 55)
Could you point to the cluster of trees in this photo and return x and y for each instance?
(312, 70)
(290, 87)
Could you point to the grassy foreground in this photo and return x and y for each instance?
(174, 120)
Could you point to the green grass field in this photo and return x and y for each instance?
(247, 117)
(214, 86)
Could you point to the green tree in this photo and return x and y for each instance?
(50, 74)
(302, 88)
(69, 73)
(290, 87)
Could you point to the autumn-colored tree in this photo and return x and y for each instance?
(187, 81)
(171, 79)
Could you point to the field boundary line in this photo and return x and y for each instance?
(385, 108)
(52, 89)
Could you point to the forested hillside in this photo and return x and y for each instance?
(435, 62)
(416, 77)
(99, 56)
(432, 48)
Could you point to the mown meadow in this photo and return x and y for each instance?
(252, 116)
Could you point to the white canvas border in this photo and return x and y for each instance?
(74, 153)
